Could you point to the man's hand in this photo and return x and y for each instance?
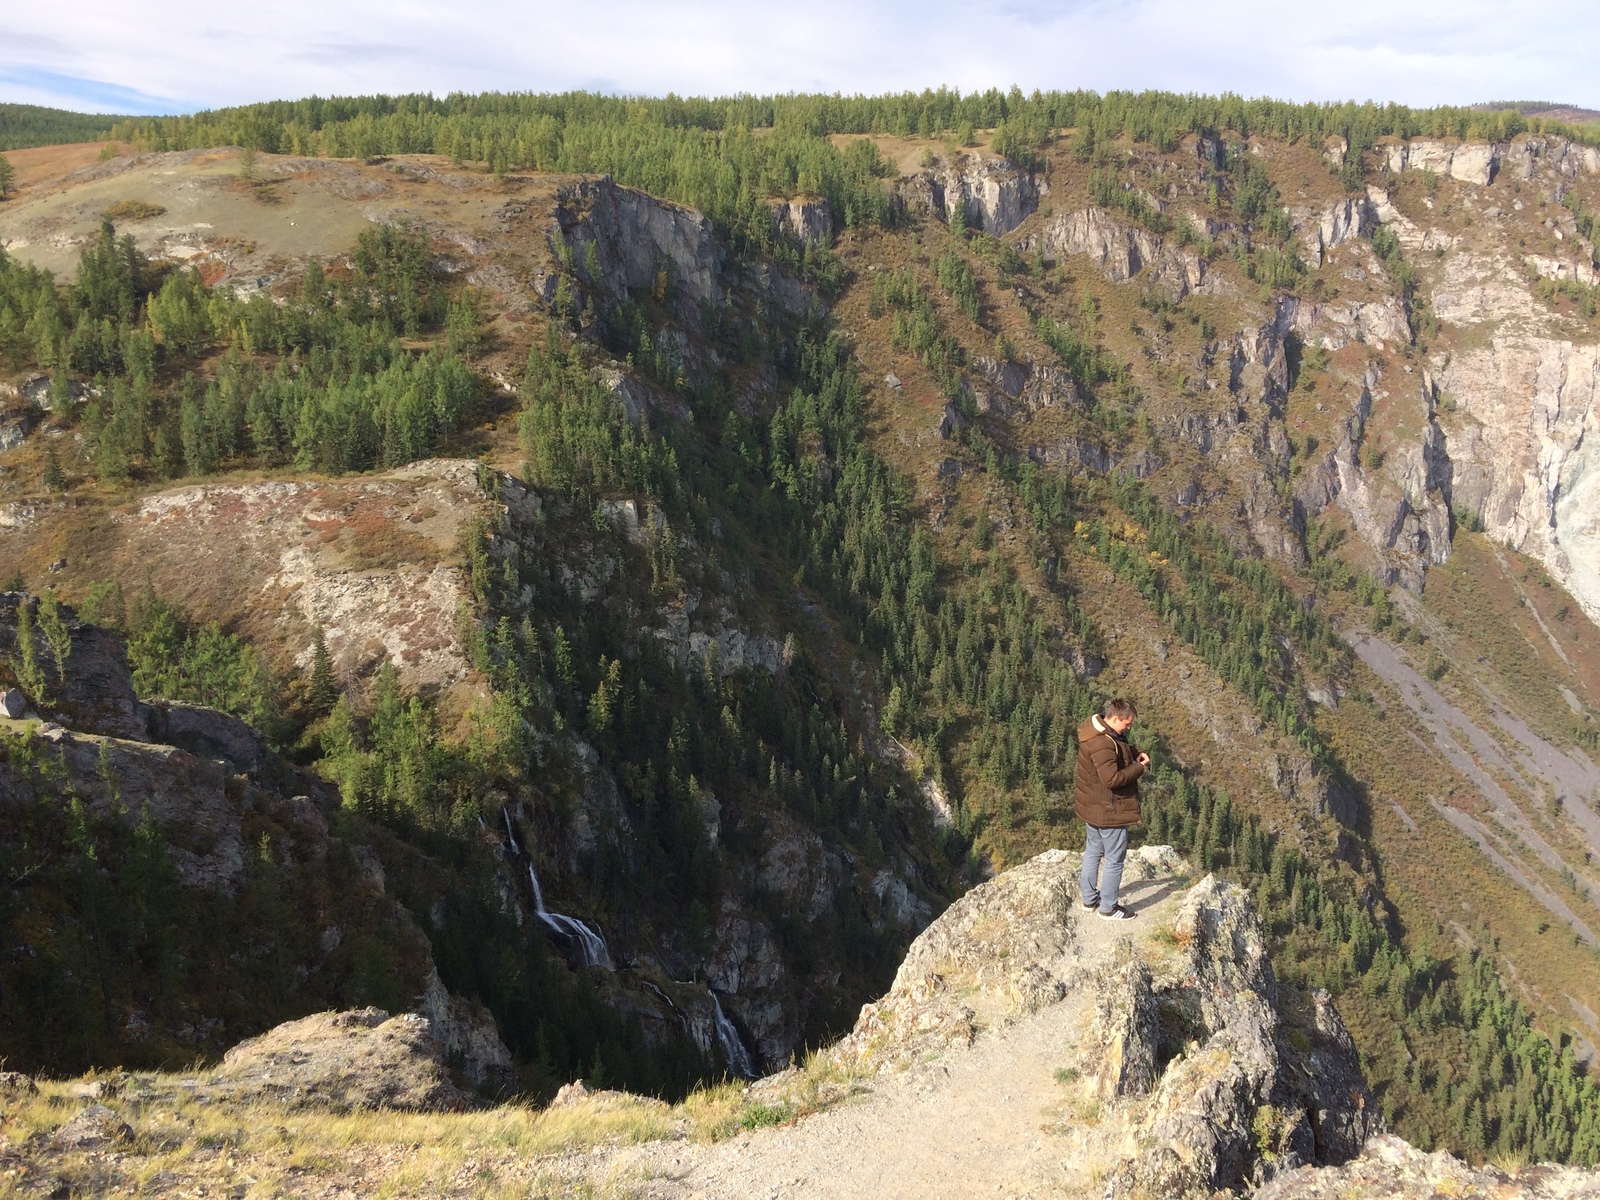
(1143, 760)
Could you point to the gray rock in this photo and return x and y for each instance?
(1120, 1050)
(806, 219)
(15, 425)
(92, 1129)
(469, 1036)
(951, 421)
(1005, 949)
(993, 194)
(13, 704)
(1197, 1137)
(634, 236)
(15, 1083)
(1120, 251)
(1389, 1167)
(209, 734)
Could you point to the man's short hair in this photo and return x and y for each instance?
(1122, 709)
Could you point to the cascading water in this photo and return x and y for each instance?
(569, 931)
(733, 1047)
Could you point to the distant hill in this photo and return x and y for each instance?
(23, 125)
(1545, 110)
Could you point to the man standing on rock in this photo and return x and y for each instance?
(1107, 799)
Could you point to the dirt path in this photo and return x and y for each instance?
(990, 1121)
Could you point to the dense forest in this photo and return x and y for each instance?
(24, 125)
(726, 156)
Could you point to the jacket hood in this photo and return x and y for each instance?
(1096, 726)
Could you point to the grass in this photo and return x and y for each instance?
(180, 1142)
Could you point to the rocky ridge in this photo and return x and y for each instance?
(222, 803)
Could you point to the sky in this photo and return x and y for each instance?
(158, 56)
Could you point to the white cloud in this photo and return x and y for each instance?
(179, 54)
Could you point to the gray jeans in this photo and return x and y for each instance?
(1099, 884)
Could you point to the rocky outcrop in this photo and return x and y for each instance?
(468, 1038)
(1534, 154)
(243, 837)
(92, 690)
(1022, 386)
(1120, 251)
(1503, 428)
(1242, 430)
(344, 1061)
(1333, 325)
(1524, 157)
(990, 193)
(1389, 1167)
(1353, 217)
(1401, 507)
(17, 420)
(1470, 162)
(1218, 1080)
(635, 237)
(806, 219)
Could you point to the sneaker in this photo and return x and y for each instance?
(1092, 905)
(1119, 913)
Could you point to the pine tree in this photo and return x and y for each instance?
(26, 666)
(324, 688)
(55, 479)
(56, 634)
(7, 176)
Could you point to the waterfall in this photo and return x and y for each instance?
(733, 1047)
(570, 930)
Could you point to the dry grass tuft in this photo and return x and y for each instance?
(134, 210)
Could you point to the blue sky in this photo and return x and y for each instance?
(179, 55)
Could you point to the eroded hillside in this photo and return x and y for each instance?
(791, 562)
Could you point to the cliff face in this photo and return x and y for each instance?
(1513, 444)
(373, 563)
(194, 873)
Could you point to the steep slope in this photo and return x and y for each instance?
(174, 884)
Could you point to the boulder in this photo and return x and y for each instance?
(14, 1084)
(95, 1128)
(341, 1061)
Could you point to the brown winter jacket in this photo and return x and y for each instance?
(1107, 783)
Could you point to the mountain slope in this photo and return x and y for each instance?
(1206, 419)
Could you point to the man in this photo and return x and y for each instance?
(1107, 799)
